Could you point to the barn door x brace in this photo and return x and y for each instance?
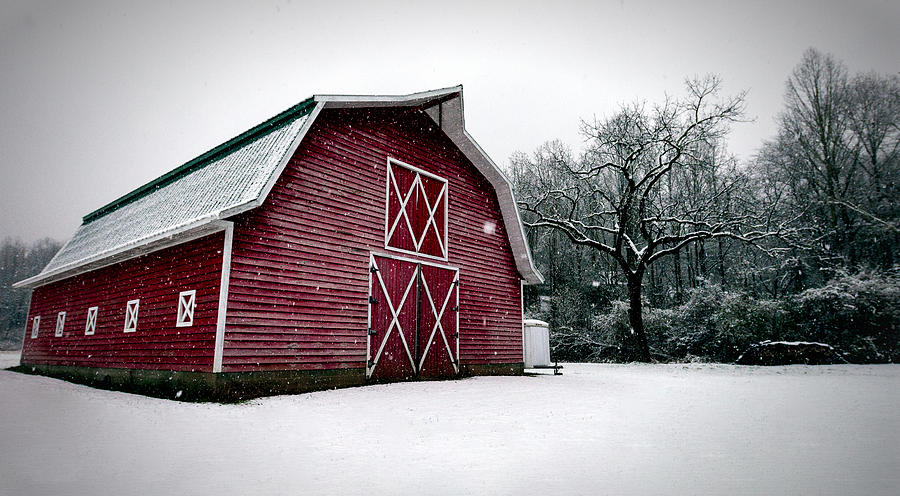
(413, 319)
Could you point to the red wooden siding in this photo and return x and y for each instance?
(156, 279)
(299, 282)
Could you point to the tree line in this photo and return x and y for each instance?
(657, 243)
(19, 261)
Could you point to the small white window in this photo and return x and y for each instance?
(91, 325)
(60, 324)
(186, 303)
(131, 315)
(35, 323)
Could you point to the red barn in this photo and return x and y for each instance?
(347, 239)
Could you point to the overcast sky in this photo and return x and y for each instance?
(97, 98)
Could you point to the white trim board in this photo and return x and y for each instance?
(409, 100)
(190, 232)
(219, 351)
(394, 256)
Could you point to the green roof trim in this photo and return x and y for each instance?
(298, 110)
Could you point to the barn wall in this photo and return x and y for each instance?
(157, 279)
(299, 280)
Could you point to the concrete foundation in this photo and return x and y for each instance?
(226, 387)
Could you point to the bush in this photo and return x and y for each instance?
(716, 325)
(858, 314)
(569, 318)
(712, 325)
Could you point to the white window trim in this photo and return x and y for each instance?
(90, 326)
(417, 184)
(35, 324)
(187, 302)
(131, 315)
(60, 324)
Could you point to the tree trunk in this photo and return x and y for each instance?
(691, 274)
(679, 289)
(721, 262)
(636, 319)
(701, 259)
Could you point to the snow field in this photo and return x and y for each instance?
(598, 429)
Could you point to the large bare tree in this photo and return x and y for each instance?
(837, 156)
(626, 197)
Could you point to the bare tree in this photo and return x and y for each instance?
(875, 127)
(837, 156)
(625, 197)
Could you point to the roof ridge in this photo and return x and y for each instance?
(263, 128)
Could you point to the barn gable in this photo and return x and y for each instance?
(236, 176)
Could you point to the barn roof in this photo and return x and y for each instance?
(191, 200)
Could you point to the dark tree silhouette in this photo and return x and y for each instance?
(18, 261)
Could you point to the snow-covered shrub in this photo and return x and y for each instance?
(717, 325)
(712, 325)
(612, 333)
(859, 314)
(604, 338)
(570, 330)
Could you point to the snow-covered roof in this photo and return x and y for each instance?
(237, 176)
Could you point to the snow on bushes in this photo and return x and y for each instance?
(859, 315)
(788, 353)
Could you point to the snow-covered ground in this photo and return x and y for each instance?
(598, 429)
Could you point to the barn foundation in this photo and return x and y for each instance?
(226, 387)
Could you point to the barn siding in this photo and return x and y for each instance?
(157, 279)
(299, 280)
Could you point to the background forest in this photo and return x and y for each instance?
(19, 261)
(657, 222)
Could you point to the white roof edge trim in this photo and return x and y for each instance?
(515, 230)
(165, 239)
(385, 100)
(289, 153)
(86, 265)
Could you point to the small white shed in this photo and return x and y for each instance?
(536, 345)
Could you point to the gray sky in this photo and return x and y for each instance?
(97, 98)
